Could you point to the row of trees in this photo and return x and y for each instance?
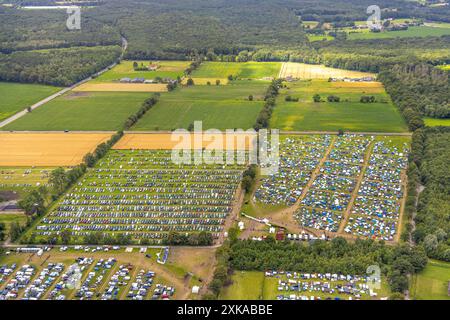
(193, 239)
(146, 105)
(264, 116)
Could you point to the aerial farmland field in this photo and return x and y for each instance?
(17, 96)
(313, 71)
(242, 70)
(431, 283)
(167, 69)
(219, 107)
(92, 111)
(348, 114)
(121, 87)
(47, 149)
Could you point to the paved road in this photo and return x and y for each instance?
(63, 91)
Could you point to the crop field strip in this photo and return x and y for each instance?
(169, 141)
(146, 195)
(336, 194)
(50, 149)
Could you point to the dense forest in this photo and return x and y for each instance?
(31, 30)
(419, 88)
(60, 67)
(429, 170)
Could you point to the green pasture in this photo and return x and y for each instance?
(95, 111)
(17, 96)
(432, 282)
(348, 114)
(243, 70)
(434, 122)
(219, 107)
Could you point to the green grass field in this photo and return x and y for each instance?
(219, 107)
(243, 70)
(433, 122)
(82, 111)
(168, 69)
(16, 96)
(349, 114)
(419, 31)
(9, 218)
(314, 37)
(432, 282)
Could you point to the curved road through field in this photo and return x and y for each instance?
(63, 91)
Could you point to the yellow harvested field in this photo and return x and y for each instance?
(204, 81)
(169, 141)
(121, 87)
(47, 149)
(313, 71)
(367, 87)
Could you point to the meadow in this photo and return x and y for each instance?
(219, 107)
(17, 97)
(434, 122)
(97, 111)
(168, 69)
(417, 31)
(432, 282)
(10, 218)
(348, 114)
(242, 70)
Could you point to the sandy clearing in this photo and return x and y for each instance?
(168, 141)
(121, 87)
(311, 71)
(47, 149)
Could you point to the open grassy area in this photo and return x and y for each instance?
(167, 69)
(348, 114)
(247, 285)
(16, 96)
(244, 70)
(9, 218)
(432, 282)
(219, 107)
(319, 37)
(433, 122)
(82, 111)
(418, 31)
